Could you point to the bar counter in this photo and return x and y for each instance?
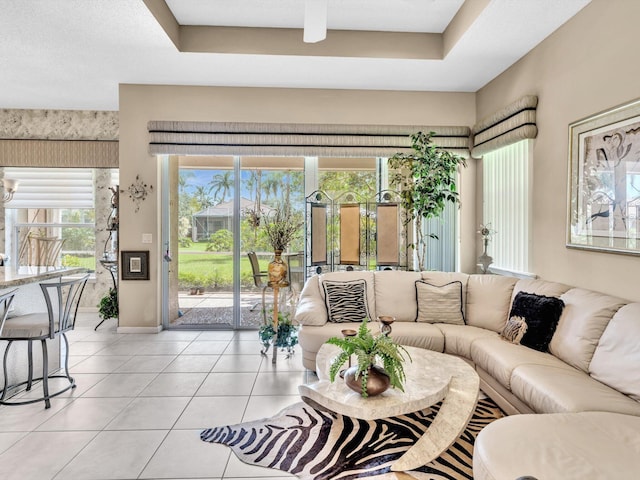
(10, 278)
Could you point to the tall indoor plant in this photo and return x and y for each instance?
(426, 181)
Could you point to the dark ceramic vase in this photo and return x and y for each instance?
(377, 380)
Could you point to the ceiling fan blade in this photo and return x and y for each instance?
(315, 20)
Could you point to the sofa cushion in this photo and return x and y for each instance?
(499, 358)
(348, 276)
(439, 304)
(539, 287)
(395, 294)
(346, 301)
(616, 361)
(311, 309)
(488, 301)
(549, 389)
(585, 316)
(541, 315)
(458, 338)
(442, 278)
(590, 445)
(421, 335)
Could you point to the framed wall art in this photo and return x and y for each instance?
(135, 265)
(604, 176)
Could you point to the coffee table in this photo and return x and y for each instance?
(431, 377)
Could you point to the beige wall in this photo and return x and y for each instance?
(587, 66)
(140, 300)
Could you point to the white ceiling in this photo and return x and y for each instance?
(73, 54)
(377, 15)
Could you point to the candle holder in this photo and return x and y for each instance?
(347, 333)
(385, 324)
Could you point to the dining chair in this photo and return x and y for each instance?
(62, 299)
(259, 280)
(39, 250)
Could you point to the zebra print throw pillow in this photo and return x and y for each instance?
(346, 301)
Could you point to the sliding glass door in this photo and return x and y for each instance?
(268, 184)
(204, 223)
(216, 209)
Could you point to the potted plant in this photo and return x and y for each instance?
(286, 335)
(426, 181)
(108, 306)
(369, 349)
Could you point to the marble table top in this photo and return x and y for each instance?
(428, 378)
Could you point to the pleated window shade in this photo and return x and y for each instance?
(512, 124)
(288, 139)
(52, 187)
(507, 205)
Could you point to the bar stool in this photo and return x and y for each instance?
(62, 299)
(5, 304)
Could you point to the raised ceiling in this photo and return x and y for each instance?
(73, 54)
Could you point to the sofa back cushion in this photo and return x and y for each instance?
(489, 301)
(616, 361)
(539, 287)
(347, 277)
(395, 294)
(585, 316)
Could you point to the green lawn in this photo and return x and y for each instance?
(212, 270)
(85, 262)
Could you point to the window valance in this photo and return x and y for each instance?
(212, 138)
(513, 123)
(59, 153)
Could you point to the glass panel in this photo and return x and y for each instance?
(205, 238)
(268, 183)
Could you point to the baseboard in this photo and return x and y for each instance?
(156, 329)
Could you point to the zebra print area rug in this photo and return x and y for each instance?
(318, 445)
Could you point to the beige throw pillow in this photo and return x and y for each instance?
(439, 304)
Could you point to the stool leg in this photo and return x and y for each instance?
(66, 361)
(4, 370)
(30, 353)
(45, 374)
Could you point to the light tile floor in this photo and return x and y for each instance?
(140, 404)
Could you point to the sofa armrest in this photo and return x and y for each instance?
(311, 309)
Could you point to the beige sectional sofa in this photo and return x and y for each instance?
(587, 384)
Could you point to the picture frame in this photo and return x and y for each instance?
(604, 181)
(134, 264)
